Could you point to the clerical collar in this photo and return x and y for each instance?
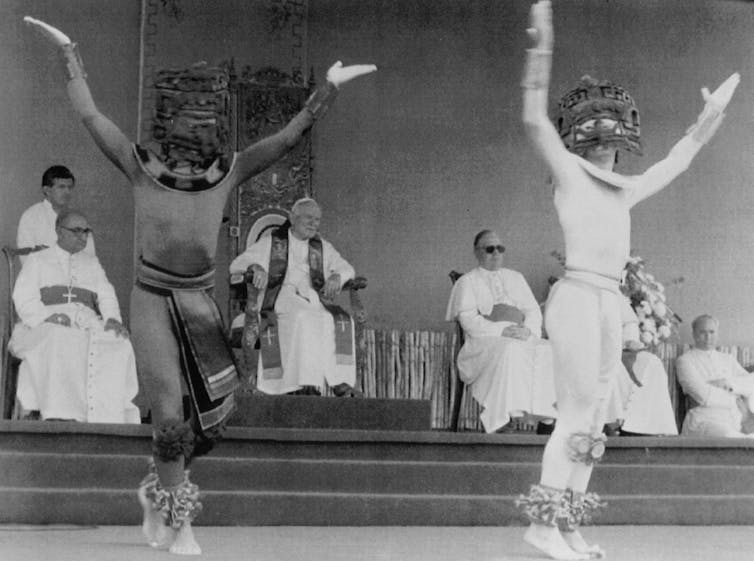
(63, 253)
(489, 272)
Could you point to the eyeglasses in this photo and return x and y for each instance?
(78, 231)
(492, 248)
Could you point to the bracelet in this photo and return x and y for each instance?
(537, 71)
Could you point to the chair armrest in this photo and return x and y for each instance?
(454, 276)
(356, 283)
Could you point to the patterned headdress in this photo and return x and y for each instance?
(598, 112)
(191, 115)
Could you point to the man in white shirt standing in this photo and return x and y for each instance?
(503, 359)
(720, 387)
(37, 224)
(77, 360)
(305, 339)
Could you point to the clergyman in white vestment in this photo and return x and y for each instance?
(77, 361)
(37, 224)
(721, 389)
(305, 329)
(506, 364)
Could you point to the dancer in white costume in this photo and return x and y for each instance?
(582, 316)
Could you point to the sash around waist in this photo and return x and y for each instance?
(58, 294)
(594, 279)
(150, 276)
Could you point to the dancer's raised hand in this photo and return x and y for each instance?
(52, 34)
(540, 31)
(339, 74)
(720, 98)
(714, 105)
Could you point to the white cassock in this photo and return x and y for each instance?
(716, 412)
(645, 409)
(80, 372)
(37, 227)
(505, 375)
(306, 328)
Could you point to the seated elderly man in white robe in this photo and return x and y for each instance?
(37, 224)
(641, 390)
(305, 340)
(506, 364)
(721, 389)
(77, 361)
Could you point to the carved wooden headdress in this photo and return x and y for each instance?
(598, 112)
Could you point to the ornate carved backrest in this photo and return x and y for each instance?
(262, 103)
(9, 372)
(241, 289)
(455, 411)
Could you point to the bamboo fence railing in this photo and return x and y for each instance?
(421, 365)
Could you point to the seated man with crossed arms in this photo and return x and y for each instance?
(304, 339)
(504, 360)
(77, 361)
(721, 389)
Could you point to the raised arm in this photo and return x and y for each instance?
(536, 81)
(106, 134)
(261, 154)
(681, 155)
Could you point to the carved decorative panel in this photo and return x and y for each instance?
(264, 102)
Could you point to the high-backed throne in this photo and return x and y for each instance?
(262, 102)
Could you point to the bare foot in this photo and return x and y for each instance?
(548, 540)
(185, 542)
(576, 541)
(153, 527)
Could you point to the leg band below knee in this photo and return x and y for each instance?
(586, 448)
(172, 440)
(543, 505)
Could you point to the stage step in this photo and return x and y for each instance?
(315, 412)
(55, 473)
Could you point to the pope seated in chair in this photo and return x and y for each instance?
(304, 339)
(504, 360)
(77, 360)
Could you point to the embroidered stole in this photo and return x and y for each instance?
(267, 329)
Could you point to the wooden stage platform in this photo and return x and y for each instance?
(67, 473)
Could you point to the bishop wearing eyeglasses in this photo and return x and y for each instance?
(77, 360)
(504, 360)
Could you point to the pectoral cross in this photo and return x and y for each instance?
(343, 322)
(69, 295)
(269, 336)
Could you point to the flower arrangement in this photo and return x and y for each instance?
(657, 322)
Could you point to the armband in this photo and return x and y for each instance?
(537, 69)
(319, 102)
(706, 125)
(73, 63)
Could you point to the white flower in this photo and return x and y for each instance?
(664, 331)
(648, 324)
(660, 309)
(647, 338)
(646, 308)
